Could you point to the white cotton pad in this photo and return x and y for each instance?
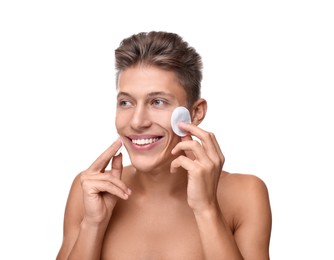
(119, 150)
(180, 114)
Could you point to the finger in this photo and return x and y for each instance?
(98, 186)
(192, 147)
(191, 129)
(117, 166)
(204, 136)
(107, 177)
(219, 151)
(184, 162)
(103, 160)
(186, 138)
(188, 153)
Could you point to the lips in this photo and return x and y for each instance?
(144, 140)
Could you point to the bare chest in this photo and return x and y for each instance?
(152, 232)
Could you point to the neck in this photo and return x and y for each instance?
(161, 182)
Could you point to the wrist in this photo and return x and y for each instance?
(93, 225)
(209, 212)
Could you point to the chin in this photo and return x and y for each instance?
(147, 163)
(143, 165)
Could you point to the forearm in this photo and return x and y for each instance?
(89, 243)
(216, 237)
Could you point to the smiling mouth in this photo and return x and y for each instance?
(145, 141)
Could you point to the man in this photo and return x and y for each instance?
(174, 201)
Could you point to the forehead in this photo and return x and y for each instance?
(149, 79)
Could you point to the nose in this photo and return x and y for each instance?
(140, 118)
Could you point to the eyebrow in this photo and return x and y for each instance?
(149, 95)
(123, 94)
(160, 93)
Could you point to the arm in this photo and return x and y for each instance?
(244, 200)
(80, 239)
(221, 239)
(216, 236)
(92, 197)
(253, 215)
(77, 235)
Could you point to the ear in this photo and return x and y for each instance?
(198, 111)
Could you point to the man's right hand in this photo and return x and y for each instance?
(102, 188)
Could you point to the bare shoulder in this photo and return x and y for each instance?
(74, 205)
(242, 194)
(238, 185)
(244, 202)
(72, 218)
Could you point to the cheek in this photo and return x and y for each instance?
(163, 119)
(120, 120)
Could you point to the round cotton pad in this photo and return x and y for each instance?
(180, 114)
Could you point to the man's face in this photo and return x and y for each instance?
(146, 99)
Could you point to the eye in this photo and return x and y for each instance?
(158, 102)
(124, 103)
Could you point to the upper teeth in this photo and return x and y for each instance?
(144, 141)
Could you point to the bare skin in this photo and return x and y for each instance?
(174, 201)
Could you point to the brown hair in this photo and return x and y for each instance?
(166, 51)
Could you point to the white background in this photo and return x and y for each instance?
(268, 78)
